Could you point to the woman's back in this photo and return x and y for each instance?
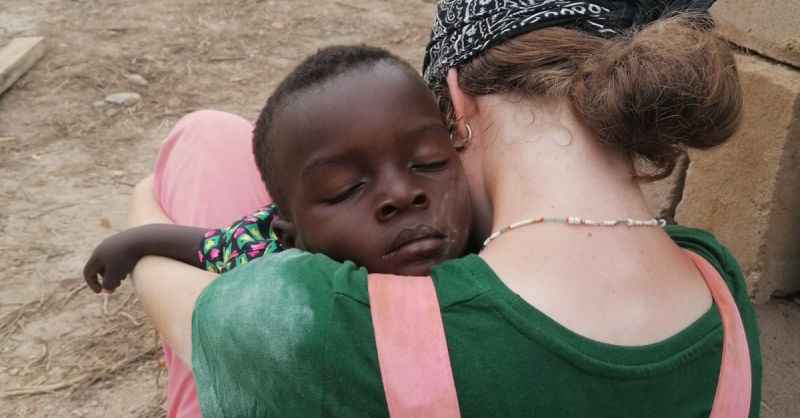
(508, 358)
(624, 286)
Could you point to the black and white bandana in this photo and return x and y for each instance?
(465, 28)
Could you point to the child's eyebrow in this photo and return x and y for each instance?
(318, 162)
(422, 127)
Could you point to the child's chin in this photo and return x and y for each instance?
(416, 269)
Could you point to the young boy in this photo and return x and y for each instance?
(359, 164)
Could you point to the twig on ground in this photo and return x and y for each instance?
(352, 6)
(35, 390)
(39, 267)
(122, 181)
(51, 210)
(236, 58)
(129, 316)
(72, 293)
(105, 304)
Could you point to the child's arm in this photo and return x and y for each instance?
(117, 255)
(217, 250)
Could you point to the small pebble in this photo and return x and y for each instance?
(77, 413)
(13, 372)
(99, 103)
(126, 99)
(277, 25)
(94, 404)
(137, 79)
(118, 173)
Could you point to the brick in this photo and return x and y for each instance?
(746, 192)
(664, 195)
(771, 28)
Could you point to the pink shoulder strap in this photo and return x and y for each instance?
(735, 377)
(412, 350)
(415, 363)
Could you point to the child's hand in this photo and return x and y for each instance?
(113, 259)
(116, 257)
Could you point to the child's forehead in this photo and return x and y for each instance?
(367, 96)
(389, 77)
(371, 110)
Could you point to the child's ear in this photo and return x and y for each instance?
(286, 233)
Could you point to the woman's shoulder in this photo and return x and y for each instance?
(290, 279)
(687, 236)
(294, 266)
(263, 325)
(320, 276)
(706, 245)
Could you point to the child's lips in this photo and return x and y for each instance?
(423, 241)
(419, 248)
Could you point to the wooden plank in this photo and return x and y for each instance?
(18, 57)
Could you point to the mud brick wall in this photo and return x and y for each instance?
(747, 192)
(769, 27)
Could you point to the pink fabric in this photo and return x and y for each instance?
(412, 350)
(735, 377)
(205, 176)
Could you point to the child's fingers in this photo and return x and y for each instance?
(91, 271)
(112, 278)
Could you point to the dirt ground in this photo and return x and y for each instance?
(68, 161)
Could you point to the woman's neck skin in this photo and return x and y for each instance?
(622, 285)
(542, 163)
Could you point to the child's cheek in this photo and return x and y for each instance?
(455, 213)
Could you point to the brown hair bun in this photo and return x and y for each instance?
(669, 86)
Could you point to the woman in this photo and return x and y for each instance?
(556, 115)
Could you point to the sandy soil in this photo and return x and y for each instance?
(68, 161)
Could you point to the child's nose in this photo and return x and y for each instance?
(401, 198)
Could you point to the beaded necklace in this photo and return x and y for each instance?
(571, 220)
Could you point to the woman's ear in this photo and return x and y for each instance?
(286, 232)
(464, 104)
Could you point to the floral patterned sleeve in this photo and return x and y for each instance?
(247, 239)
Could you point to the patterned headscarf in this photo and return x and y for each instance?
(465, 28)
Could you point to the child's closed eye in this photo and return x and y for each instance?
(430, 166)
(341, 197)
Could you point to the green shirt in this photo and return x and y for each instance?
(290, 335)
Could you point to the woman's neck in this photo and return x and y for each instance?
(620, 285)
(551, 167)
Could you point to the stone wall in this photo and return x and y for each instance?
(769, 27)
(747, 192)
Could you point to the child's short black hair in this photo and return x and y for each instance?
(315, 70)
